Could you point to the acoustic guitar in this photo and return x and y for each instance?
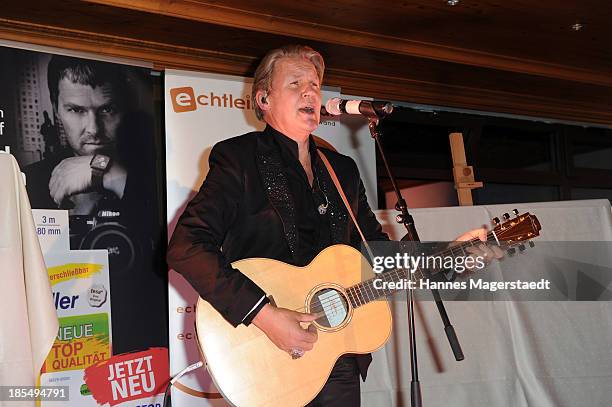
(354, 317)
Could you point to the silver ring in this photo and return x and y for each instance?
(296, 353)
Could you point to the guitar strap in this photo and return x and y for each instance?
(334, 178)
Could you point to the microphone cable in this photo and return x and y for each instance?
(178, 376)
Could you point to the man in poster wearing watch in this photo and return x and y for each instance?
(99, 164)
(88, 101)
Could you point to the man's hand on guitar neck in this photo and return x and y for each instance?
(487, 251)
(282, 327)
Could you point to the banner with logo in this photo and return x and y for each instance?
(200, 110)
(56, 114)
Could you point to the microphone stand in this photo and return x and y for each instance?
(406, 219)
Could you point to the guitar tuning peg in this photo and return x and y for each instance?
(515, 212)
(506, 216)
(531, 243)
(496, 220)
(511, 252)
(522, 247)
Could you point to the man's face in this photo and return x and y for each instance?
(90, 117)
(294, 102)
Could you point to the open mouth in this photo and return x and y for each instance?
(309, 110)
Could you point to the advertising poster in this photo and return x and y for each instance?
(200, 110)
(82, 357)
(81, 295)
(82, 131)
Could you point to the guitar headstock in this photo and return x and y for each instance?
(516, 231)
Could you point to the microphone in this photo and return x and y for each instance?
(324, 112)
(367, 108)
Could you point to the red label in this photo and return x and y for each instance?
(129, 376)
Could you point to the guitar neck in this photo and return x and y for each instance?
(365, 292)
(507, 234)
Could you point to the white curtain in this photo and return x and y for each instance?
(28, 322)
(517, 354)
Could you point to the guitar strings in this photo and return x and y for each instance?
(360, 289)
(358, 293)
(363, 290)
(361, 293)
(330, 304)
(357, 290)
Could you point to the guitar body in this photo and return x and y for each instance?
(249, 370)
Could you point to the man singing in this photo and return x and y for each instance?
(268, 194)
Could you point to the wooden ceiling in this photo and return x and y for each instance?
(518, 57)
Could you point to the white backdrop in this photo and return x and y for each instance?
(193, 126)
(517, 354)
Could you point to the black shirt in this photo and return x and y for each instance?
(313, 227)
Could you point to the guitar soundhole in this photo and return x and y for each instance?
(331, 305)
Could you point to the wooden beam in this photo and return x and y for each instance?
(214, 13)
(160, 55)
(391, 86)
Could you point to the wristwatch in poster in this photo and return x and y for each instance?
(99, 165)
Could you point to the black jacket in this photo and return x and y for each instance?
(244, 209)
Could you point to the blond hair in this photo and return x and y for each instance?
(265, 70)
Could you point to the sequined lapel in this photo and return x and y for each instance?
(275, 182)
